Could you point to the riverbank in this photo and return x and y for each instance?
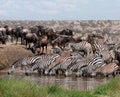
(22, 88)
(11, 52)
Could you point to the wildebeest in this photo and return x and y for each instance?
(9, 32)
(3, 36)
(62, 41)
(31, 38)
(41, 44)
(18, 34)
(66, 32)
(117, 56)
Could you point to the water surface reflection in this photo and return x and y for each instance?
(79, 83)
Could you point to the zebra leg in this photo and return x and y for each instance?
(40, 71)
(46, 72)
(68, 73)
(79, 73)
(52, 72)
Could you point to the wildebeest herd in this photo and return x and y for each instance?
(87, 55)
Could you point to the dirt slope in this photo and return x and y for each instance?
(11, 52)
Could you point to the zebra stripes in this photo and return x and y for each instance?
(81, 46)
(96, 62)
(26, 62)
(67, 63)
(43, 63)
(88, 65)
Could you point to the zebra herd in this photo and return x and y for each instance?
(85, 58)
(87, 55)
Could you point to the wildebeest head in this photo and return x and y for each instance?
(66, 32)
(33, 49)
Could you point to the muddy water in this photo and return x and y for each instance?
(78, 83)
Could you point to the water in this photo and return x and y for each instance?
(78, 83)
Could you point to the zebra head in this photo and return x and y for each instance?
(11, 70)
(76, 55)
(28, 72)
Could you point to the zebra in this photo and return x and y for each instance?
(104, 51)
(83, 46)
(52, 67)
(25, 63)
(96, 62)
(65, 64)
(56, 50)
(42, 64)
(87, 64)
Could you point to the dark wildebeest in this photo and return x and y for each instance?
(41, 44)
(3, 36)
(9, 32)
(31, 38)
(51, 34)
(62, 40)
(40, 30)
(18, 34)
(117, 56)
(67, 32)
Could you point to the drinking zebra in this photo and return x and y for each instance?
(87, 64)
(42, 64)
(25, 63)
(62, 67)
(92, 65)
(104, 51)
(83, 46)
